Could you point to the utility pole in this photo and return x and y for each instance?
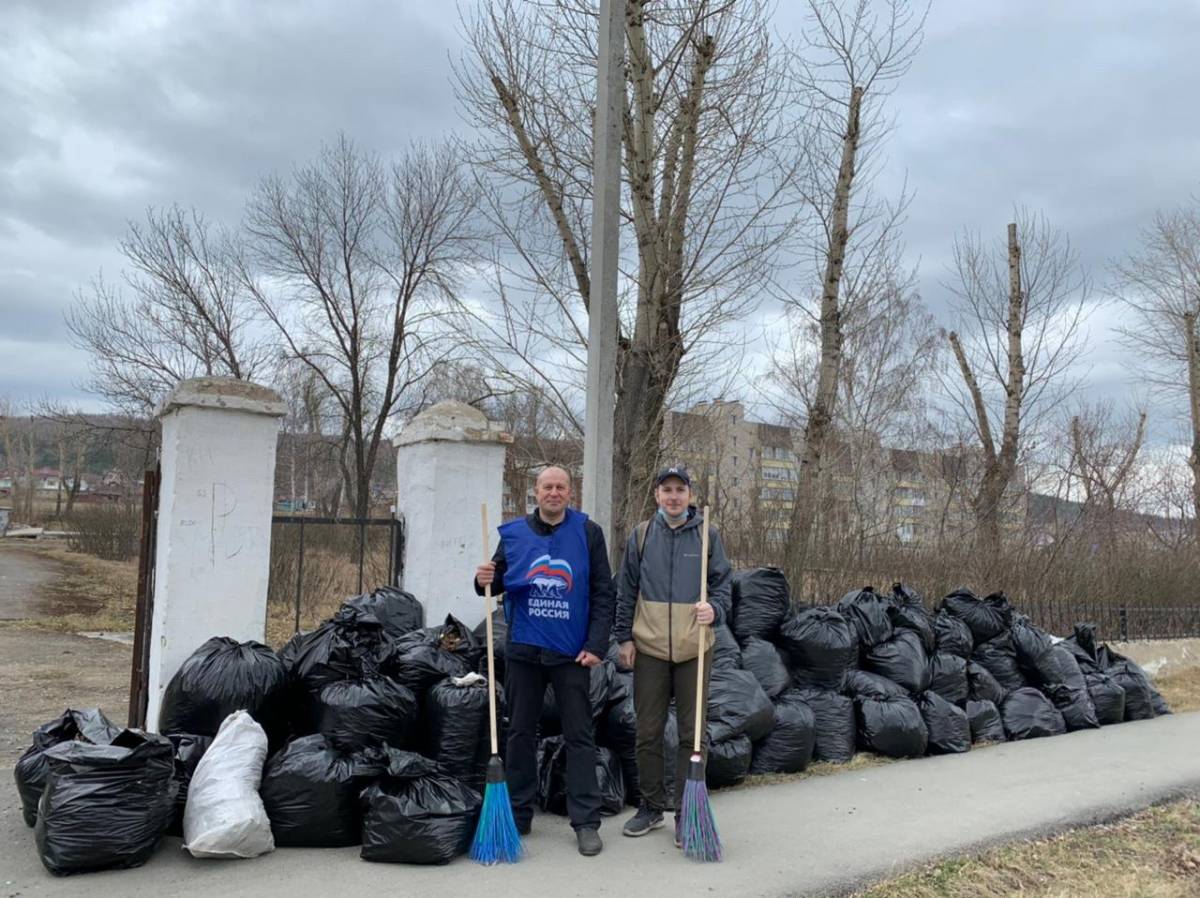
(602, 302)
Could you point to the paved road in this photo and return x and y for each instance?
(814, 837)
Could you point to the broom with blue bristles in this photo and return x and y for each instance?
(496, 838)
(697, 828)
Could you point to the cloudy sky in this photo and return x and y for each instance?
(1082, 109)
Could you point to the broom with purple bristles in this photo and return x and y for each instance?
(496, 838)
(697, 828)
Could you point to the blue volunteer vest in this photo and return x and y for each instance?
(546, 584)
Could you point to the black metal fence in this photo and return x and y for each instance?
(317, 562)
(1115, 621)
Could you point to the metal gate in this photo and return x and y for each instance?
(139, 677)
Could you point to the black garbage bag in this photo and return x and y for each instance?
(725, 650)
(457, 732)
(223, 676)
(415, 814)
(1028, 714)
(835, 722)
(761, 601)
(552, 778)
(310, 792)
(953, 636)
(738, 706)
(1159, 703)
(728, 762)
(1139, 700)
(344, 646)
(947, 724)
(892, 726)
(600, 686)
(821, 646)
(499, 640)
(1082, 645)
(948, 678)
(986, 723)
(1108, 698)
(768, 665)
(1031, 642)
(359, 713)
(1075, 704)
(788, 748)
(986, 618)
(904, 594)
(1056, 665)
(982, 686)
(869, 613)
(620, 686)
(1058, 674)
(189, 750)
(427, 656)
(618, 732)
(908, 613)
(999, 656)
(861, 683)
(397, 611)
(901, 659)
(670, 748)
(71, 726)
(105, 805)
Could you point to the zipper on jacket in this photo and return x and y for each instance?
(671, 596)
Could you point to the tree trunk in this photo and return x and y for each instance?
(1193, 363)
(820, 415)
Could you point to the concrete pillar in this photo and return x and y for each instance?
(606, 247)
(214, 521)
(449, 459)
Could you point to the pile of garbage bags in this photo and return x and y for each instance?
(372, 729)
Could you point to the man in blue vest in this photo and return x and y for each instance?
(552, 566)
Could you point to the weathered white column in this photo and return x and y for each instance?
(214, 521)
(449, 459)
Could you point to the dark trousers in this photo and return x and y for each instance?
(525, 688)
(654, 683)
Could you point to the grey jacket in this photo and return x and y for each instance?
(658, 585)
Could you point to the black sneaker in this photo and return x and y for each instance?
(524, 827)
(678, 833)
(646, 819)
(589, 841)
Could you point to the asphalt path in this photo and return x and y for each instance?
(818, 836)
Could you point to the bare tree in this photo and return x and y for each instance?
(356, 265)
(1160, 286)
(1021, 307)
(706, 125)
(852, 59)
(184, 313)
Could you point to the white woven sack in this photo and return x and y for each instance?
(224, 815)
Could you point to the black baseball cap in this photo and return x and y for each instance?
(673, 471)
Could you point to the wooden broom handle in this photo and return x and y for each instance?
(700, 657)
(488, 606)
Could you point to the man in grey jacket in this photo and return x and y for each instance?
(659, 623)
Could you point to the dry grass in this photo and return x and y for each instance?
(1181, 690)
(89, 594)
(1154, 854)
(860, 761)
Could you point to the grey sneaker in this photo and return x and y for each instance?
(646, 819)
(589, 841)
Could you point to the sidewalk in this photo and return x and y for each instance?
(813, 837)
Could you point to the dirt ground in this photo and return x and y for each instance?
(46, 595)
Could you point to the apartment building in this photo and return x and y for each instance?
(746, 471)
